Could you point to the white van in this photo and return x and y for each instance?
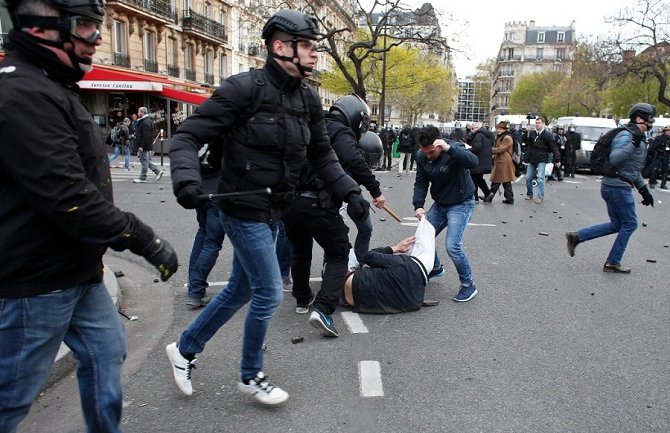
(590, 128)
(659, 124)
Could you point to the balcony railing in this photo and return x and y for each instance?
(150, 65)
(121, 59)
(173, 71)
(509, 58)
(196, 22)
(161, 8)
(256, 50)
(3, 40)
(190, 74)
(209, 78)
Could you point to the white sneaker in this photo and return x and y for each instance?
(263, 391)
(159, 175)
(181, 368)
(139, 181)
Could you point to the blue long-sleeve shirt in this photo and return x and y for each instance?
(627, 158)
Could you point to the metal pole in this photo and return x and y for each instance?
(161, 147)
(382, 99)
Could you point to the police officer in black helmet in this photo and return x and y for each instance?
(275, 126)
(57, 217)
(315, 216)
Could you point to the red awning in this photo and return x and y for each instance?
(182, 96)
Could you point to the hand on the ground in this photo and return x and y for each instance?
(379, 202)
(404, 245)
(357, 207)
(189, 197)
(647, 198)
(419, 213)
(161, 254)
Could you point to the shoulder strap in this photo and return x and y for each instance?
(258, 91)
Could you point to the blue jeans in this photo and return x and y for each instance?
(31, 331)
(254, 277)
(623, 220)
(455, 218)
(142, 156)
(126, 155)
(531, 171)
(362, 242)
(206, 247)
(284, 251)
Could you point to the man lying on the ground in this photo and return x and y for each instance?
(393, 283)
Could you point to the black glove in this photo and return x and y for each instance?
(647, 198)
(161, 254)
(189, 197)
(357, 207)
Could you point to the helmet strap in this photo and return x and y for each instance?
(294, 59)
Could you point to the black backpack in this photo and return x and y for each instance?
(117, 136)
(600, 156)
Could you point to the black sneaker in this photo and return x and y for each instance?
(573, 240)
(436, 273)
(618, 269)
(324, 323)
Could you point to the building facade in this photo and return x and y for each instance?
(470, 106)
(525, 49)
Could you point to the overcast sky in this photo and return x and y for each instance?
(480, 24)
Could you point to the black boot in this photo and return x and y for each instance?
(489, 198)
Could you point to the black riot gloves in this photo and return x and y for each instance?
(647, 198)
(357, 207)
(161, 254)
(190, 197)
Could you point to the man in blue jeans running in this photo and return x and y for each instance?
(444, 167)
(627, 154)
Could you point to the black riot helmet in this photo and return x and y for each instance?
(355, 111)
(79, 19)
(643, 110)
(370, 146)
(299, 26)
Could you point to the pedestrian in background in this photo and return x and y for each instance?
(503, 165)
(443, 167)
(121, 143)
(405, 146)
(144, 142)
(58, 218)
(573, 143)
(481, 144)
(659, 154)
(627, 153)
(261, 154)
(541, 143)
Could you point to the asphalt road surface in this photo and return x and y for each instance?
(550, 344)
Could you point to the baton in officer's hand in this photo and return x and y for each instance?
(267, 191)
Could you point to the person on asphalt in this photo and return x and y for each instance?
(144, 142)
(275, 126)
(540, 144)
(573, 142)
(314, 215)
(210, 234)
(503, 165)
(388, 282)
(481, 143)
(444, 168)
(58, 217)
(627, 154)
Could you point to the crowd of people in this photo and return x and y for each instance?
(274, 160)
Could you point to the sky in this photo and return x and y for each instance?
(479, 25)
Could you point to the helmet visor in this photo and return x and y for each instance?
(85, 29)
(365, 122)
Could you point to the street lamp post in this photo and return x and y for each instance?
(382, 99)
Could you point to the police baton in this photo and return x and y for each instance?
(393, 214)
(267, 191)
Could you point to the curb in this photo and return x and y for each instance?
(65, 363)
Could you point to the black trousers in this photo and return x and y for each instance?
(570, 162)
(306, 222)
(507, 189)
(480, 183)
(388, 156)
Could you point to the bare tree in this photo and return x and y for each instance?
(643, 43)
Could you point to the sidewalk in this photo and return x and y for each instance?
(65, 363)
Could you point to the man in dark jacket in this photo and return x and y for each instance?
(57, 218)
(541, 144)
(314, 215)
(388, 137)
(444, 167)
(405, 146)
(275, 126)
(481, 143)
(144, 142)
(658, 155)
(122, 136)
(573, 142)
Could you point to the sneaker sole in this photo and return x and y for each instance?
(441, 274)
(323, 329)
(251, 391)
(168, 351)
(468, 298)
(301, 310)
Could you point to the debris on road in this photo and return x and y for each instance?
(298, 339)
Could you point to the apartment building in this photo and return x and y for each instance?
(470, 106)
(525, 49)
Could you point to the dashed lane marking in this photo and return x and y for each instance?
(223, 283)
(370, 374)
(354, 323)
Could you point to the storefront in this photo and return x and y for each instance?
(111, 95)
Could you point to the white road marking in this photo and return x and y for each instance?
(223, 283)
(481, 225)
(410, 224)
(370, 374)
(571, 181)
(410, 218)
(354, 322)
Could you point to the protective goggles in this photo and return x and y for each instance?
(84, 29)
(365, 122)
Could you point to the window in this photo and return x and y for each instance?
(187, 5)
(560, 53)
(540, 37)
(556, 67)
(510, 53)
(222, 17)
(188, 57)
(539, 53)
(173, 52)
(120, 35)
(223, 66)
(149, 45)
(209, 62)
(205, 9)
(560, 37)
